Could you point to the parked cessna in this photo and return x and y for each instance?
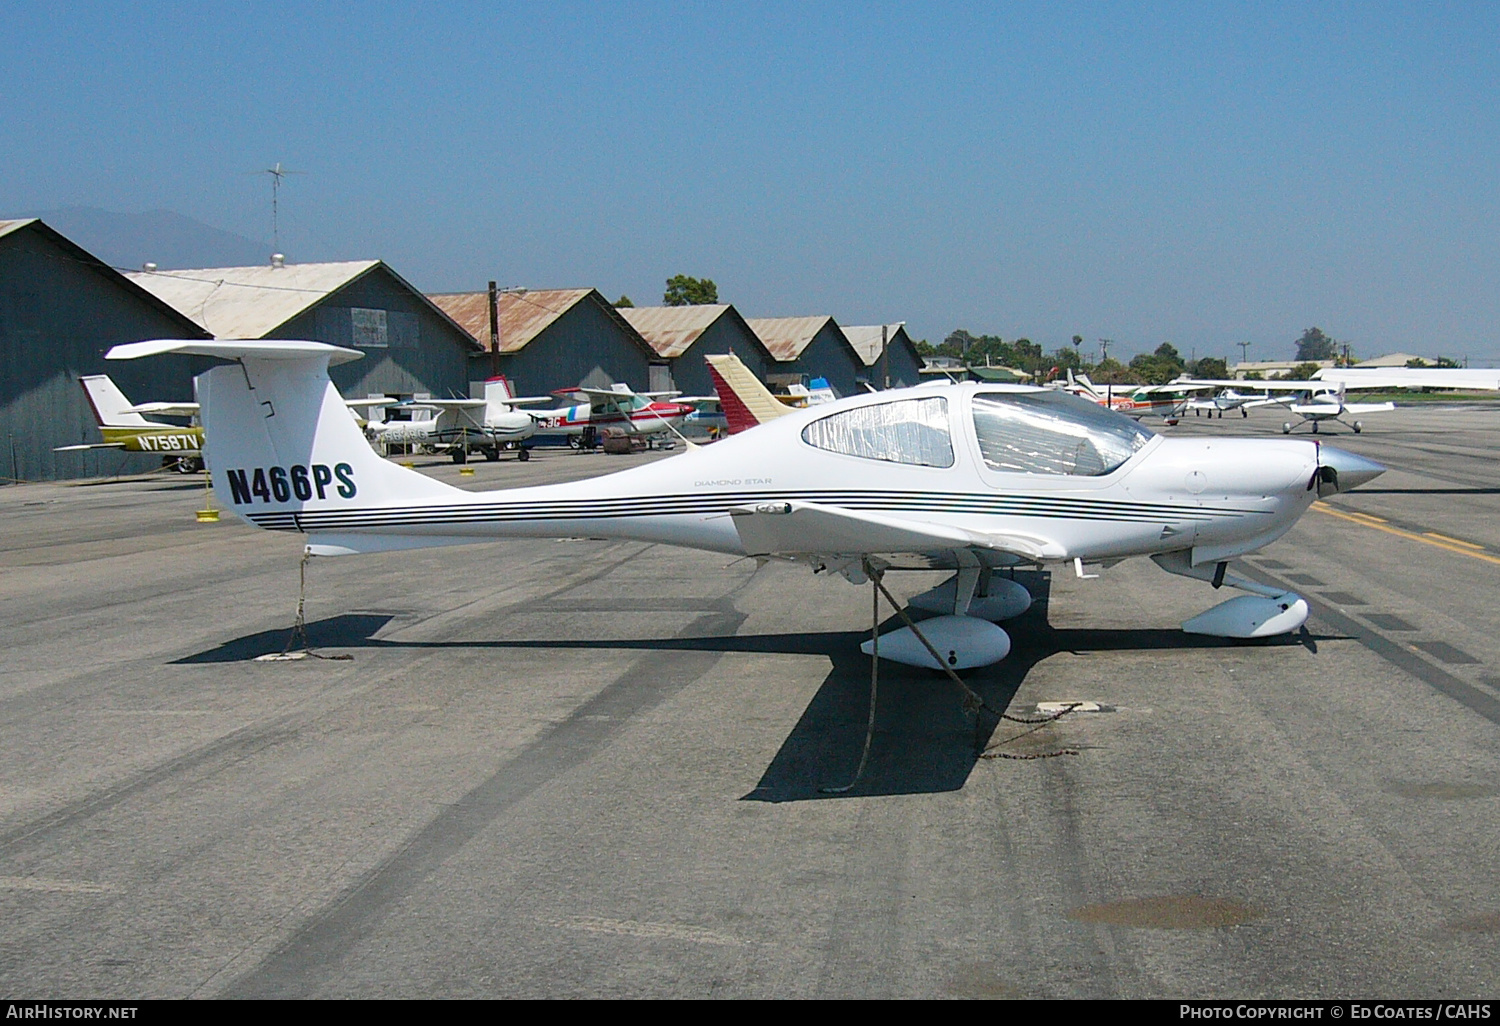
(1222, 400)
(464, 426)
(968, 478)
(124, 427)
(1313, 401)
(619, 407)
(1134, 401)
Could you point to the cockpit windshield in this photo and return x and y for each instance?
(1052, 432)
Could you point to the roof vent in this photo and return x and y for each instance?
(149, 267)
(277, 260)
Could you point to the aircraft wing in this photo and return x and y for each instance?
(357, 404)
(165, 409)
(1268, 385)
(452, 404)
(86, 445)
(811, 528)
(1368, 407)
(1412, 377)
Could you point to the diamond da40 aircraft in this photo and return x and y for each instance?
(969, 478)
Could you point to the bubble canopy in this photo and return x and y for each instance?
(1052, 432)
(1018, 432)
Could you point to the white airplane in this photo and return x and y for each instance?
(463, 426)
(1313, 401)
(1227, 399)
(968, 478)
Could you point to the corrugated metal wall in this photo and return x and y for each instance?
(725, 335)
(829, 356)
(408, 348)
(584, 346)
(58, 316)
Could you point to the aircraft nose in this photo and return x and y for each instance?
(1352, 470)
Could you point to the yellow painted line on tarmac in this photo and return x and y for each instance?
(1453, 541)
(1450, 544)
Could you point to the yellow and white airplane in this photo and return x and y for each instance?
(124, 427)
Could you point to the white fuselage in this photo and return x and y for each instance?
(1216, 497)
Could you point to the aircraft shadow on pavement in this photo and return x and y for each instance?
(924, 741)
(351, 630)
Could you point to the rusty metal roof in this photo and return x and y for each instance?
(786, 337)
(523, 315)
(671, 330)
(865, 339)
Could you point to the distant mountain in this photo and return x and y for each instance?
(162, 237)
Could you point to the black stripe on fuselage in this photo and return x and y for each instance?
(1049, 507)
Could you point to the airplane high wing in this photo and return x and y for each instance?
(1313, 401)
(124, 427)
(1134, 401)
(464, 426)
(620, 408)
(1462, 378)
(969, 478)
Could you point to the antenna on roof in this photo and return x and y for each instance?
(277, 173)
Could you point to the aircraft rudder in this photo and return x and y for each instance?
(109, 403)
(279, 440)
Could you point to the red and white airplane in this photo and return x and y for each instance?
(621, 408)
(1134, 401)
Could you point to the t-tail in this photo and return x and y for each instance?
(746, 402)
(283, 443)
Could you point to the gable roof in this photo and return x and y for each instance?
(787, 337)
(6, 227)
(525, 315)
(864, 339)
(110, 274)
(252, 302)
(672, 330)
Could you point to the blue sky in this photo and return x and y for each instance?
(1203, 173)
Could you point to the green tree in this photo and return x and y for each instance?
(1159, 367)
(623, 303)
(1303, 371)
(1314, 345)
(685, 291)
(1109, 371)
(1209, 367)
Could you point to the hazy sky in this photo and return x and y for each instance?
(1204, 173)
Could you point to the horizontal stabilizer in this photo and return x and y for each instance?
(235, 349)
(164, 409)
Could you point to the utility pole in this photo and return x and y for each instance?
(1104, 344)
(1244, 352)
(494, 331)
(495, 294)
(885, 363)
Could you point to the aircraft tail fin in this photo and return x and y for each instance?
(109, 403)
(279, 441)
(497, 396)
(745, 400)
